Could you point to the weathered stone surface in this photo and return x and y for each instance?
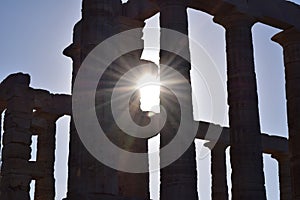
(218, 171)
(16, 136)
(273, 13)
(271, 144)
(52, 104)
(87, 176)
(31, 111)
(16, 151)
(245, 139)
(179, 179)
(15, 187)
(284, 176)
(290, 41)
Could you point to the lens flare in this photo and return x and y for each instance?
(149, 89)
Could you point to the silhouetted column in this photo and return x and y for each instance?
(89, 178)
(290, 41)
(16, 150)
(131, 185)
(179, 179)
(75, 145)
(218, 171)
(284, 176)
(1, 111)
(46, 130)
(245, 140)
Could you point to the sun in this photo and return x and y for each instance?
(149, 89)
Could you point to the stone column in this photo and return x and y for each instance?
(245, 140)
(75, 146)
(16, 141)
(1, 111)
(290, 41)
(131, 185)
(179, 179)
(88, 178)
(0, 147)
(284, 176)
(218, 171)
(46, 129)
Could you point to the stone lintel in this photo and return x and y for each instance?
(52, 104)
(56, 104)
(274, 144)
(280, 14)
(271, 144)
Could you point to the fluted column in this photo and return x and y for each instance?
(16, 150)
(88, 178)
(75, 145)
(290, 41)
(131, 185)
(284, 176)
(46, 129)
(218, 171)
(245, 140)
(179, 179)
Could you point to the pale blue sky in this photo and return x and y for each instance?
(34, 33)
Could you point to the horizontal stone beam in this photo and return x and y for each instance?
(53, 104)
(276, 13)
(275, 144)
(270, 144)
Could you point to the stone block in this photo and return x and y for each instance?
(16, 136)
(19, 104)
(39, 125)
(16, 150)
(11, 121)
(14, 166)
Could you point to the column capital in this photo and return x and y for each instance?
(281, 156)
(286, 37)
(73, 50)
(234, 19)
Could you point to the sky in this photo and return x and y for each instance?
(34, 33)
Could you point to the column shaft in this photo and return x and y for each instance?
(131, 185)
(45, 185)
(246, 150)
(16, 142)
(290, 40)
(88, 178)
(179, 179)
(218, 171)
(284, 176)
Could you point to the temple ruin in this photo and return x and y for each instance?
(33, 112)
